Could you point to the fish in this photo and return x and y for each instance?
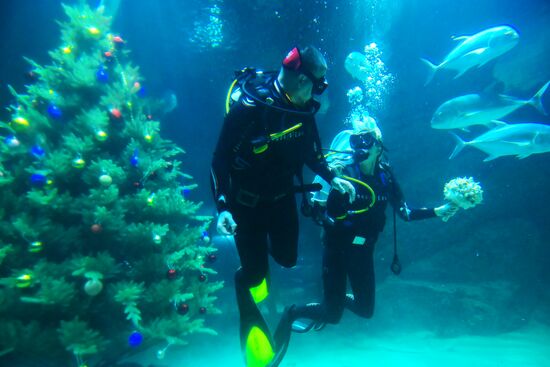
(476, 50)
(520, 140)
(481, 109)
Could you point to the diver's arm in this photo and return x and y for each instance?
(315, 159)
(224, 155)
(399, 204)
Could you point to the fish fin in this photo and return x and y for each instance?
(460, 144)
(477, 51)
(536, 101)
(490, 158)
(465, 129)
(522, 156)
(432, 69)
(459, 38)
(496, 123)
(460, 73)
(518, 143)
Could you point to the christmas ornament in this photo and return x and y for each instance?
(202, 278)
(149, 117)
(211, 258)
(115, 113)
(137, 184)
(23, 281)
(161, 353)
(12, 142)
(185, 192)
(142, 92)
(79, 163)
(54, 112)
(202, 310)
(183, 308)
(31, 75)
(101, 135)
(37, 151)
(118, 41)
(105, 180)
(67, 50)
(93, 287)
(35, 247)
(148, 138)
(96, 228)
(157, 239)
(134, 160)
(171, 273)
(93, 31)
(20, 123)
(102, 75)
(108, 54)
(205, 237)
(136, 87)
(151, 200)
(135, 339)
(38, 179)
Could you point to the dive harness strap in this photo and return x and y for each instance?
(395, 264)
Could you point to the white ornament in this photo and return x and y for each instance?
(93, 287)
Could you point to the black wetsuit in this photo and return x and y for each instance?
(256, 184)
(349, 241)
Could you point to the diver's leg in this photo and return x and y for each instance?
(283, 231)
(360, 265)
(334, 274)
(250, 287)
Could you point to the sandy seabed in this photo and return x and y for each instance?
(331, 347)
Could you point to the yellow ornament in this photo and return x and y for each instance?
(79, 163)
(94, 31)
(105, 180)
(148, 138)
(67, 50)
(151, 200)
(20, 123)
(23, 281)
(35, 247)
(101, 135)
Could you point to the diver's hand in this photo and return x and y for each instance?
(343, 186)
(226, 224)
(446, 211)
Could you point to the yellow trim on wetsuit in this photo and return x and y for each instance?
(373, 197)
(228, 98)
(274, 136)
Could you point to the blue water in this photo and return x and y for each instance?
(477, 284)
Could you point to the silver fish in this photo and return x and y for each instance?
(475, 109)
(520, 140)
(476, 50)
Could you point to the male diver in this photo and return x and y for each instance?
(350, 230)
(268, 134)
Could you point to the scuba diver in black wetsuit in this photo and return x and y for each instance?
(268, 134)
(350, 230)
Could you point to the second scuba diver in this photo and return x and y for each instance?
(268, 134)
(350, 230)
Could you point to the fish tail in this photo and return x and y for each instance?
(460, 144)
(536, 101)
(432, 69)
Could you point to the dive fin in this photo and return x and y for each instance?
(460, 144)
(282, 336)
(536, 101)
(432, 70)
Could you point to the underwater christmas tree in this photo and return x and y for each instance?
(101, 252)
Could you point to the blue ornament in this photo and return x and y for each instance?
(134, 160)
(204, 234)
(102, 75)
(142, 92)
(38, 179)
(37, 151)
(185, 192)
(135, 339)
(54, 112)
(11, 141)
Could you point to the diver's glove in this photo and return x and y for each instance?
(226, 224)
(446, 211)
(344, 187)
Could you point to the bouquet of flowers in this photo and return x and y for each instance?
(463, 192)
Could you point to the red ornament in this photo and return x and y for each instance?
(202, 310)
(183, 308)
(96, 228)
(202, 278)
(149, 117)
(108, 54)
(115, 112)
(171, 274)
(118, 40)
(212, 258)
(137, 184)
